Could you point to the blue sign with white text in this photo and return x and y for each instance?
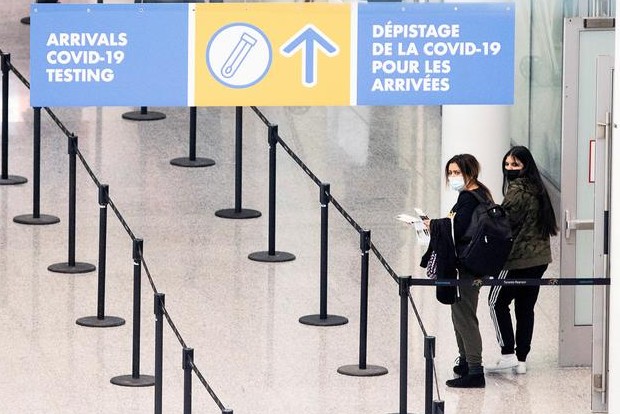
(435, 53)
(177, 54)
(83, 54)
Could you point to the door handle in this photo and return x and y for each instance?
(576, 224)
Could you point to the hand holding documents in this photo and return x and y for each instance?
(422, 232)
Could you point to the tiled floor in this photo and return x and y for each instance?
(240, 316)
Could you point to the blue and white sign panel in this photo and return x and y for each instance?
(109, 55)
(149, 54)
(435, 53)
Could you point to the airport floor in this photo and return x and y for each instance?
(240, 316)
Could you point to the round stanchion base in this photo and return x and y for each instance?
(64, 267)
(13, 180)
(187, 162)
(140, 116)
(131, 381)
(244, 213)
(43, 219)
(271, 258)
(329, 320)
(356, 371)
(105, 322)
(25, 20)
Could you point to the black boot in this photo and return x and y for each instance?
(467, 381)
(460, 367)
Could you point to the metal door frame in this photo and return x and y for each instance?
(586, 344)
(600, 309)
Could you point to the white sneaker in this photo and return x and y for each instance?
(521, 368)
(505, 362)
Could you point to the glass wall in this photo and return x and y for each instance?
(537, 112)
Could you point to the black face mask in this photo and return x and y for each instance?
(512, 174)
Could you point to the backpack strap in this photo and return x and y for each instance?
(480, 199)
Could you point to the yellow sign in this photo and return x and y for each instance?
(270, 53)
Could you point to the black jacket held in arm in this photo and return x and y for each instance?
(443, 245)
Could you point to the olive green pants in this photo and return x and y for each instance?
(466, 326)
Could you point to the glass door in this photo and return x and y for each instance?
(588, 71)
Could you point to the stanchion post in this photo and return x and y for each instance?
(238, 156)
(403, 290)
(193, 121)
(238, 212)
(5, 178)
(104, 193)
(138, 245)
(192, 161)
(135, 379)
(362, 369)
(404, 335)
(323, 319)
(273, 142)
(188, 362)
(324, 200)
(429, 355)
(36, 217)
(102, 321)
(271, 255)
(36, 164)
(160, 303)
(71, 266)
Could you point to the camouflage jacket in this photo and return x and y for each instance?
(530, 248)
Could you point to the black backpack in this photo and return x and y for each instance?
(490, 239)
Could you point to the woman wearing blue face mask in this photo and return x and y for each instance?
(533, 223)
(461, 174)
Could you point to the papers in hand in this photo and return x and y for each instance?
(422, 232)
(408, 219)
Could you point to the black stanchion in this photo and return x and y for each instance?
(438, 407)
(160, 302)
(36, 217)
(429, 355)
(5, 178)
(101, 321)
(323, 319)
(238, 212)
(188, 362)
(143, 115)
(135, 379)
(71, 266)
(192, 161)
(362, 369)
(271, 255)
(403, 290)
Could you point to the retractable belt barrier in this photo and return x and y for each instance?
(511, 282)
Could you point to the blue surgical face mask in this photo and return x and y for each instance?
(456, 183)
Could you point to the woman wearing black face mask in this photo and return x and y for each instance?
(533, 222)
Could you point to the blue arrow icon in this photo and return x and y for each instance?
(309, 39)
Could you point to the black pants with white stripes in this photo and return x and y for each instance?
(524, 298)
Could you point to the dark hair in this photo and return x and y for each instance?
(470, 168)
(546, 217)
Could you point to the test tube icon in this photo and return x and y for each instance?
(238, 54)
